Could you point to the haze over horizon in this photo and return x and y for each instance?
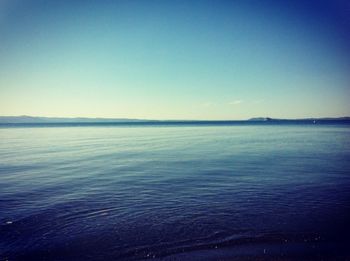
(195, 60)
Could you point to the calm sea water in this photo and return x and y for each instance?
(174, 192)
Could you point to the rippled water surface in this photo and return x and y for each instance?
(174, 192)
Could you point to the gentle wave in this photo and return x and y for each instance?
(174, 193)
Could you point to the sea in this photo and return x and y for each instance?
(175, 191)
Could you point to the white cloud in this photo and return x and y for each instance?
(208, 104)
(236, 102)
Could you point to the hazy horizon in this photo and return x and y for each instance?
(189, 60)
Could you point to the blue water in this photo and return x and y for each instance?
(174, 192)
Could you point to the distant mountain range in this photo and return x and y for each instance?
(31, 119)
(303, 119)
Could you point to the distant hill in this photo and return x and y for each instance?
(303, 119)
(260, 119)
(31, 119)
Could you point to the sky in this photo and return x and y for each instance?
(159, 59)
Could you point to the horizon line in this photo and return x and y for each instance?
(143, 119)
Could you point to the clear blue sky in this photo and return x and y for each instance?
(175, 59)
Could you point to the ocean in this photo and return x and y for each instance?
(175, 191)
